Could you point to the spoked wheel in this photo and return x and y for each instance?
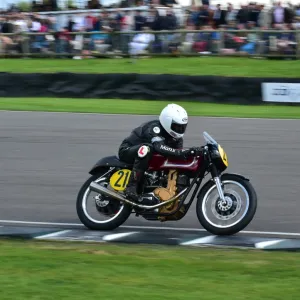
(232, 215)
(97, 211)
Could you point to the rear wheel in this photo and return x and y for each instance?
(231, 216)
(92, 207)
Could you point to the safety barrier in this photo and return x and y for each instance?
(214, 89)
(258, 43)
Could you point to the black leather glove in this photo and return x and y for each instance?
(193, 151)
(196, 151)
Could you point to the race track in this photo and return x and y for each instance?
(45, 158)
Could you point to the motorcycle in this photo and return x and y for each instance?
(225, 205)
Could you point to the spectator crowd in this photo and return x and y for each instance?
(229, 31)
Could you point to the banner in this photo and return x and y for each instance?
(281, 92)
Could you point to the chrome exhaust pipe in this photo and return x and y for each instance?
(95, 187)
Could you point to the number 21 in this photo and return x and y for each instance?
(121, 173)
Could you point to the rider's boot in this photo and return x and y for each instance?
(131, 191)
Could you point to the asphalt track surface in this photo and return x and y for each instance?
(45, 158)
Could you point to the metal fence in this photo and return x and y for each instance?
(258, 43)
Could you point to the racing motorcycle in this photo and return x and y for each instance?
(225, 204)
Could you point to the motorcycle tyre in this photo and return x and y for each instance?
(115, 223)
(237, 227)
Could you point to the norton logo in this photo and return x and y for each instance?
(282, 91)
(167, 148)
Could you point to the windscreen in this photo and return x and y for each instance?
(209, 139)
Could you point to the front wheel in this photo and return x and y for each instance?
(93, 207)
(235, 214)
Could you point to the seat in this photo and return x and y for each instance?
(119, 163)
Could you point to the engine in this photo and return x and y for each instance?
(174, 183)
(169, 185)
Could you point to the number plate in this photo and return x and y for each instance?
(119, 179)
(223, 155)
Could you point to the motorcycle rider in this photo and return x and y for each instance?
(163, 136)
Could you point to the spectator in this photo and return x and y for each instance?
(70, 24)
(100, 42)
(126, 25)
(6, 42)
(186, 46)
(280, 15)
(35, 24)
(53, 26)
(204, 16)
(250, 41)
(170, 42)
(230, 15)
(141, 42)
(154, 22)
(97, 23)
(79, 21)
(89, 22)
(7, 26)
(139, 21)
(219, 17)
(243, 15)
(21, 23)
(118, 20)
(286, 42)
(194, 17)
(297, 16)
(253, 15)
(63, 42)
(264, 18)
(169, 21)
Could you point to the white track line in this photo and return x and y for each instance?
(205, 240)
(40, 223)
(146, 227)
(54, 234)
(263, 245)
(111, 237)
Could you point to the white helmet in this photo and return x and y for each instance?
(174, 120)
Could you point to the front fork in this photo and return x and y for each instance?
(217, 181)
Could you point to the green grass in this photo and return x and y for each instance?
(75, 271)
(117, 106)
(186, 66)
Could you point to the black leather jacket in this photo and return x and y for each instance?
(153, 133)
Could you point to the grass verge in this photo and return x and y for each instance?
(227, 66)
(118, 106)
(75, 271)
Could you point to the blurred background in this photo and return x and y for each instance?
(127, 27)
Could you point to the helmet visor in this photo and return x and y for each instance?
(178, 128)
